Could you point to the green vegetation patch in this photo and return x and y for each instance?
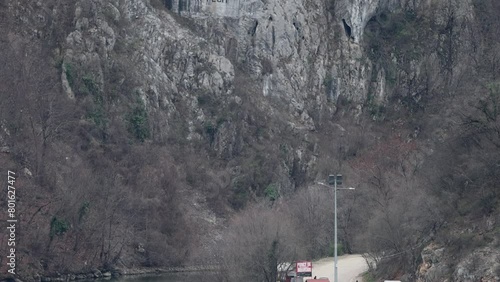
(58, 226)
(329, 86)
(398, 34)
(83, 211)
(211, 131)
(271, 192)
(394, 42)
(138, 121)
(70, 74)
(368, 277)
(340, 249)
(89, 86)
(96, 113)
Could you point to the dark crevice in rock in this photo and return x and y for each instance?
(184, 5)
(347, 29)
(273, 39)
(254, 29)
(372, 26)
(169, 4)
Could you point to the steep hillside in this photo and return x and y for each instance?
(142, 132)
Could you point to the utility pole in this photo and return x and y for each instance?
(334, 180)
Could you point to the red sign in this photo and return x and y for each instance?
(304, 268)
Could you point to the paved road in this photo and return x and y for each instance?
(350, 268)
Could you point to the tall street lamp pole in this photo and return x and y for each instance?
(334, 180)
(336, 278)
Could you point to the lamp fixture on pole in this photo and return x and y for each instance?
(334, 180)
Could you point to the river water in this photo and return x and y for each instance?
(176, 277)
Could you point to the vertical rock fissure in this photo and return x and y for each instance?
(347, 29)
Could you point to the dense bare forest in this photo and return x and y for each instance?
(152, 134)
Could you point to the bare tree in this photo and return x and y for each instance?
(258, 241)
(311, 211)
(400, 220)
(34, 109)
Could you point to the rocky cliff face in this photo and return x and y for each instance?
(304, 54)
(196, 65)
(480, 263)
(258, 95)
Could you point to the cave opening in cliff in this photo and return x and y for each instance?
(169, 4)
(347, 29)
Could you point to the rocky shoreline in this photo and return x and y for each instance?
(108, 274)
